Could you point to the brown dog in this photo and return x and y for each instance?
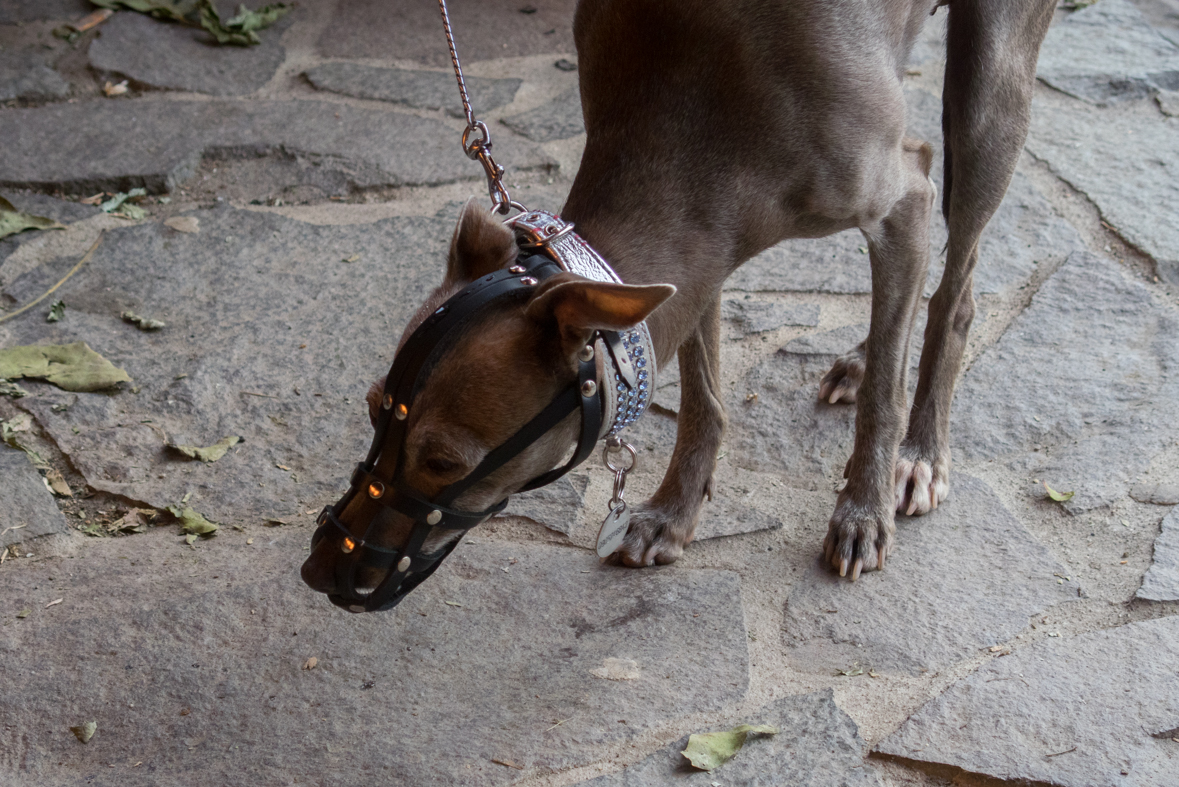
(716, 130)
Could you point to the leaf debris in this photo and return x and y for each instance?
(710, 750)
(210, 453)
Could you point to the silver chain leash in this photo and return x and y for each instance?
(478, 149)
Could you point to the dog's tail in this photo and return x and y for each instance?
(991, 52)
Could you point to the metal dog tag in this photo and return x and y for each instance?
(613, 530)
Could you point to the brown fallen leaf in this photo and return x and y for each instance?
(97, 198)
(189, 224)
(57, 483)
(84, 732)
(110, 90)
(310, 663)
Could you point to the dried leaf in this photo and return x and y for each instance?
(310, 663)
(710, 750)
(239, 29)
(119, 200)
(85, 731)
(57, 483)
(13, 221)
(110, 89)
(1059, 497)
(190, 539)
(211, 453)
(137, 520)
(54, 603)
(56, 311)
(72, 367)
(452, 603)
(24, 613)
(352, 258)
(188, 224)
(143, 323)
(12, 389)
(173, 10)
(191, 522)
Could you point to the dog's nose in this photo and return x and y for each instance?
(318, 573)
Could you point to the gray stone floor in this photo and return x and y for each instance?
(1012, 639)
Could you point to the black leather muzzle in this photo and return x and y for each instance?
(407, 567)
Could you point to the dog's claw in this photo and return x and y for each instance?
(843, 381)
(857, 539)
(920, 484)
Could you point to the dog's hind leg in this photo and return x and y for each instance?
(860, 532)
(661, 527)
(990, 76)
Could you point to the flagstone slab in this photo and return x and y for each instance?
(817, 745)
(1096, 357)
(560, 506)
(418, 89)
(268, 336)
(1160, 494)
(1108, 53)
(560, 118)
(962, 578)
(176, 57)
(410, 31)
(752, 317)
(26, 75)
(1126, 161)
(193, 663)
(777, 423)
(157, 143)
(1094, 710)
(27, 509)
(20, 11)
(1161, 582)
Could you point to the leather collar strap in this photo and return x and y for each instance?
(632, 352)
(407, 567)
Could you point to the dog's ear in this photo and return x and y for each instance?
(579, 306)
(374, 400)
(481, 245)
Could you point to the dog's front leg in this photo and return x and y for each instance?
(860, 532)
(665, 524)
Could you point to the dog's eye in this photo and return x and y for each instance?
(440, 465)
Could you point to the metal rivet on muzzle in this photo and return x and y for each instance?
(434, 517)
(587, 353)
(403, 564)
(376, 489)
(517, 269)
(589, 388)
(402, 412)
(387, 402)
(347, 545)
(528, 280)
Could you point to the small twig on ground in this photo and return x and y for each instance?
(1057, 754)
(251, 393)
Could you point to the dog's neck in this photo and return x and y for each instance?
(647, 248)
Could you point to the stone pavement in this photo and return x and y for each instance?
(301, 195)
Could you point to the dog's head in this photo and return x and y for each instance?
(507, 363)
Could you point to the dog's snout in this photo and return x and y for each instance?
(318, 573)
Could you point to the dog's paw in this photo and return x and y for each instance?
(841, 383)
(921, 482)
(655, 536)
(858, 539)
